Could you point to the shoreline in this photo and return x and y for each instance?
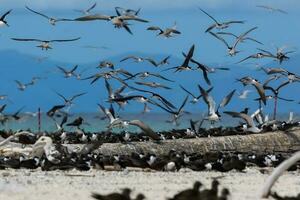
(37, 184)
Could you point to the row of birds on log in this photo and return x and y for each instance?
(147, 95)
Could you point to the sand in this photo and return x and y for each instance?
(57, 185)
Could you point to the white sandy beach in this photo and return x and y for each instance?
(37, 185)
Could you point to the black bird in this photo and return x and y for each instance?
(54, 109)
(125, 195)
(191, 194)
(77, 122)
(2, 19)
(185, 65)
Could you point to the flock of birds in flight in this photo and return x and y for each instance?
(253, 122)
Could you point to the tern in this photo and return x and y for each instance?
(167, 33)
(219, 25)
(45, 44)
(213, 112)
(51, 20)
(251, 127)
(2, 19)
(87, 11)
(232, 49)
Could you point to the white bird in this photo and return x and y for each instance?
(244, 94)
(251, 127)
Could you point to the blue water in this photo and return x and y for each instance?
(156, 121)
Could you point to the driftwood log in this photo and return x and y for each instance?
(270, 142)
(285, 142)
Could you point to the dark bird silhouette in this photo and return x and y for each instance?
(2, 18)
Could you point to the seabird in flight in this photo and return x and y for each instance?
(219, 25)
(51, 20)
(45, 44)
(2, 19)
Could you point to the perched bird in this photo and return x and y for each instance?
(45, 44)
(2, 19)
(125, 195)
(219, 25)
(51, 20)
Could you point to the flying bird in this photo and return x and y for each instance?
(2, 19)
(251, 127)
(272, 9)
(167, 33)
(219, 25)
(232, 49)
(51, 20)
(45, 44)
(87, 11)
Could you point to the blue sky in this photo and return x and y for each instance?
(274, 29)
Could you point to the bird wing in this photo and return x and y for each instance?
(64, 98)
(129, 57)
(154, 28)
(108, 88)
(66, 40)
(226, 33)
(208, 15)
(94, 17)
(77, 95)
(189, 56)
(41, 14)
(204, 70)
(160, 76)
(227, 99)
(152, 61)
(187, 91)
(220, 38)
(4, 15)
(127, 29)
(92, 7)
(145, 128)
(261, 91)
(208, 100)
(74, 68)
(62, 69)
(133, 17)
(240, 38)
(23, 39)
(243, 116)
(234, 22)
(183, 104)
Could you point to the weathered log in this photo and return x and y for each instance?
(270, 142)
